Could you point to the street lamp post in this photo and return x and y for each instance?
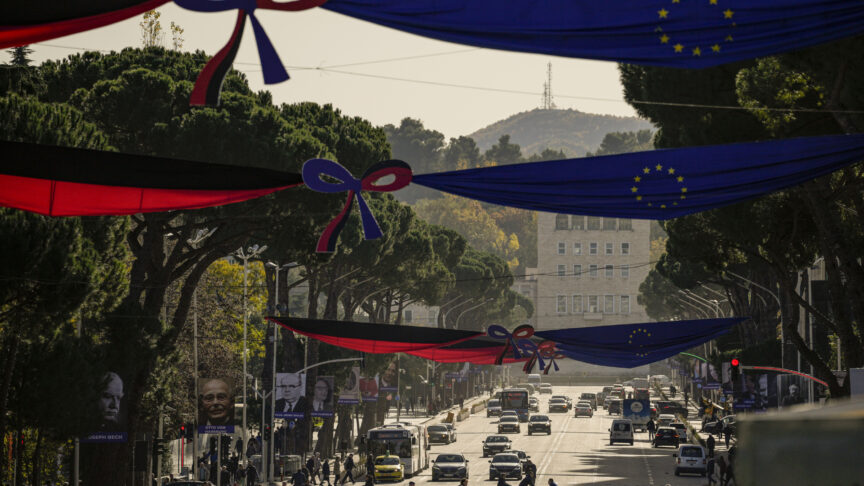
(250, 253)
(269, 466)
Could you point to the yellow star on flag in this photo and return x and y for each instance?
(713, 2)
(671, 170)
(715, 48)
(664, 39)
(646, 170)
(728, 38)
(680, 178)
(683, 189)
(638, 198)
(683, 197)
(663, 13)
(637, 179)
(697, 51)
(662, 206)
(727, 14)
(658, 167)
(649, 205)
(676, 1)
(678, 47)
(634, 189)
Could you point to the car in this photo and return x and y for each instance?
(690, 459)
(545, 388)
(682, 430)
(654, 412)
(607, 390)
(452, 429)
(666, 436)
(614, 406)
(523, 458)
(583, 408)
(672, 407)
(606, 401)
(509, 413)
(505, 464)
(534, 404)
(665, 419)
(539, 423)
(509, 424)
(621, 431)
(449, 466)
(495, 444)
(557, 405)
(493, 407)
(716, 427)
(389, 468)
(590, 398)
(439, 433)
(565, 398)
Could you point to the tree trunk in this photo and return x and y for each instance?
(37, 459)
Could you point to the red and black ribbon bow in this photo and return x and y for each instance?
(516, 341)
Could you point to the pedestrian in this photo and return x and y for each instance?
(650, 427)
(325, 471)
(530, 471)
(337, 464)
(526, 481)
(349, 469)
(686, 397)
(501, 481)
(727, 433)
(316, 473)
(710, 444)
(463, 482)
(298, 478)
(251, 474)
(310, 466)
(370, 464)
(370, 480)
(672, 391)
(552, 482)
(709, 470)
(721, 469)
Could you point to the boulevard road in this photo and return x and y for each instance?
(577, 452)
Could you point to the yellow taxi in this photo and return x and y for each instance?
(389, 468)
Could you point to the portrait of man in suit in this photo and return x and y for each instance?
(322, 398)
(110, 413)
(216, 402)
(292, 391)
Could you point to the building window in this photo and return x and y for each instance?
(610, 248)
(610, 271)
(625, 304)
(577, 271)
(608, 304)
(625, 248)
(592, 248)
(409, 316)
(562, 304)
(577, 304)
(625, 271)
(625, 224)
(593, 223)
(578, 222)
(609, 224)
(577, 248)
(562, 222)
(562, 248)
(562, 270)
(592, 271)
(592, 303)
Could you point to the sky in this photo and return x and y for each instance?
(378, 73)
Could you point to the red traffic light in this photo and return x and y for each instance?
(735, 362)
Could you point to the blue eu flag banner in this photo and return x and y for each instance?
(658, 184)
(631, 345)
(678, 33)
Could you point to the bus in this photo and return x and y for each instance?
(515, 399)
(534, 379)
(407, 441)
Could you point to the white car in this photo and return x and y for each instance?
(682, 430)
(665, 420)
(493, 408)
(690, 459)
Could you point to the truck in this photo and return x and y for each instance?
(637, 411)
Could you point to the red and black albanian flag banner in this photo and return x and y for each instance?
(61, 181)
(481, 350)
(375, 338)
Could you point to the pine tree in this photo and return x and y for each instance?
(21, 55)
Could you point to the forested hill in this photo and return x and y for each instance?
(570, 131)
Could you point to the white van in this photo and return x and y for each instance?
(533, 379)
(690, 459)
(621, 431)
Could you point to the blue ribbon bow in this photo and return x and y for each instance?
(313, 169)
(518, 340)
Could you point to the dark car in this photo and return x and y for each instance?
(669, 406)
(505, 464)
(716, 427)
(439, 433)
(558, 405)
(666, 436)
(614, 406)
(508, 424)
(523, 458)
(539, 423)
(495, 444)
(449, 466)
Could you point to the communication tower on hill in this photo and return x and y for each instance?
(548, 103)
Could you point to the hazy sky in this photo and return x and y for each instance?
(506, 83)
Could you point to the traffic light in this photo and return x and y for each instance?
(183, 431)
(735, 370)
(187, 431)
(160, 447)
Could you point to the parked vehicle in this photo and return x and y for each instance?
(621, 431)
(690, 459)
(669, 406)
(716, 427)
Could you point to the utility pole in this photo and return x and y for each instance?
(200, 235)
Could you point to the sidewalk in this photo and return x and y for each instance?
(695, 423)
